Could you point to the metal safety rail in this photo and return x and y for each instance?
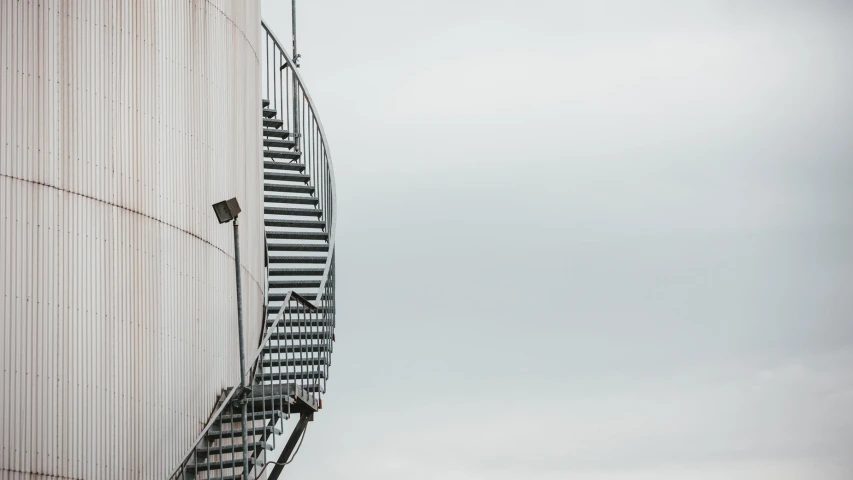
(288, 372)
(294, 140)
(287, 375)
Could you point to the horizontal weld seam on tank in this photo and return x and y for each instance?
(252, 46)
(133, 211)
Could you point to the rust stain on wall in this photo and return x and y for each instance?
(121, 123)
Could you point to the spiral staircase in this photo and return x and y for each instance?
(247, 435)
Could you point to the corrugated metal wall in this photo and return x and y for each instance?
(121, 122)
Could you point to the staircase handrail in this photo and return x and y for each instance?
(331, 221)
(291, 295)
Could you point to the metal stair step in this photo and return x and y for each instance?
(265, 429)
(268, 113)
(271, 397)
(291, 166)
(273, 122)
(287, 349)
(273, 187)
(292, 362)
(279, 297)
(297, 259)
(270, 222)
(272, 310)
(286, 177)
(294, 284)
(313, 388)
(290, 199)
(295, 247)
(296, 319)
(289, 154)
(303, 212)
(290, 321)
(222, 464)
(231, 449)
(263, 415)
(296, 272)
(269, 142)
(290, 376)
(276, 132)
(322, 335)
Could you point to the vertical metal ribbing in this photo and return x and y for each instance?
(115, 149)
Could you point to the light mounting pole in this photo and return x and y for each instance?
(227, 211)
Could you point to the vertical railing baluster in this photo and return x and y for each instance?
(287, 352)
(272, 94)
(265, 79)
(297, 340)
(315, 342)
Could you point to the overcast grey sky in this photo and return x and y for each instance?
(586, 240)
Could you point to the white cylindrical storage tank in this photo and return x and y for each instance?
(121, 122)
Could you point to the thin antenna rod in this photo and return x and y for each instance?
(293, 16)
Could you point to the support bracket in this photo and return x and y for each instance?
(297, 433)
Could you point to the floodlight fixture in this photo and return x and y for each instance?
(226, 210)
